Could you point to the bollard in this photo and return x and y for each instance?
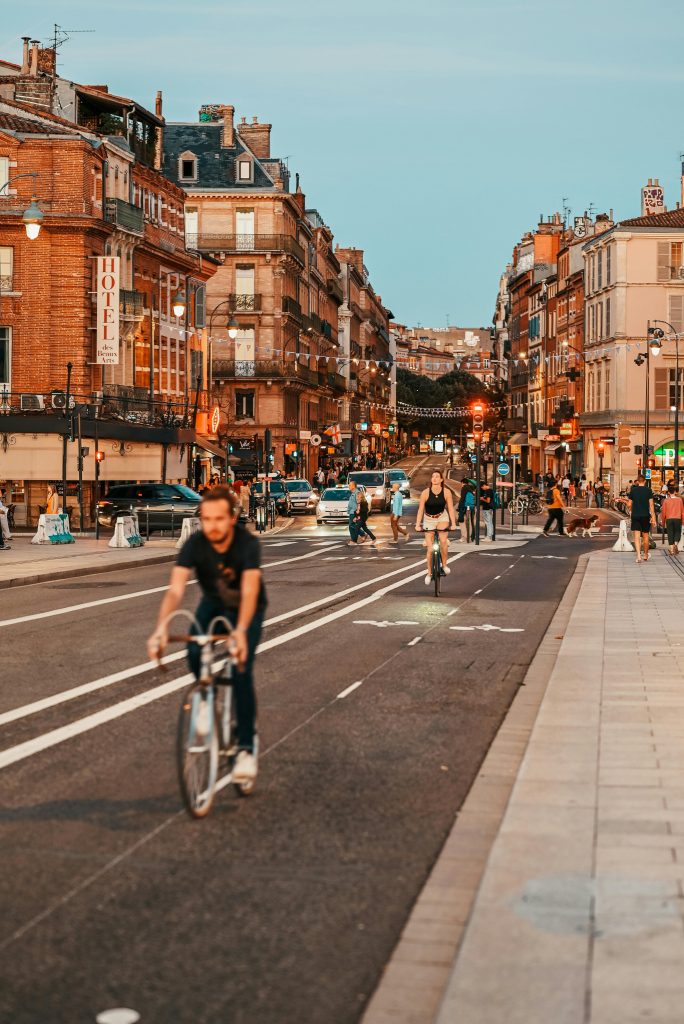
(623, 542)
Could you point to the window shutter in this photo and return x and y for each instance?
(663, 261)
(661, 388)
(676, 311)
(608, 315)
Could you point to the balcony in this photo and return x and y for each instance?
(326, 329)
(125, 216)
(292, 308)
(131, 304)
(335, 291)
(5, 283)
(245, 303)
(227, 369)
(246, 243)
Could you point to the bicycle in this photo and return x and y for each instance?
(523, 502)
(206, 723)
(437, 564)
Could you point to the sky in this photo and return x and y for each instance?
(430, 134)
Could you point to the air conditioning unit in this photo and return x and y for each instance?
(31, 403)
(680, 273)
(58, 400)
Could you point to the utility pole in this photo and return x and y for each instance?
(67, 433)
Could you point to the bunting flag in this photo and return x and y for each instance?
(334, 433)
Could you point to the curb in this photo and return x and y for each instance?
(415, 980)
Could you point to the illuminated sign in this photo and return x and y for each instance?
(215, 419)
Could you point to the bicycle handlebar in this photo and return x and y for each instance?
(200, 638)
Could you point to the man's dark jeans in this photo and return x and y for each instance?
(243, 681)
(555, 516)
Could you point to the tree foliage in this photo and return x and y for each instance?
(454, 390)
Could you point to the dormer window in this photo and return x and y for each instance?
(245, 170)
(187, 167)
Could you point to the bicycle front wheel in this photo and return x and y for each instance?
(197, 750)
(515, 506)
(437, 570)
(535, 506)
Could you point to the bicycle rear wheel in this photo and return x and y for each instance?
(437, 570)
(535, 506)
(197, 750)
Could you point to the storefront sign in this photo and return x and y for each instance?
(215, 419)
(567, 428)
(107, 291)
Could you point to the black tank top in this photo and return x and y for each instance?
(436, 503)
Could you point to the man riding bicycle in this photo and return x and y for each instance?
(226, 560)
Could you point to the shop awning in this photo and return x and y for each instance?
(554, 449)
(211, 447)
(518, 439)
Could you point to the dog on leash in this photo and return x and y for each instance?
(587, 526)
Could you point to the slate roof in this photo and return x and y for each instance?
(215, 165)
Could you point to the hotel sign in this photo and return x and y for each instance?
(107, 292)
(567, 428)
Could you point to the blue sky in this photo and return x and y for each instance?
(430, 134)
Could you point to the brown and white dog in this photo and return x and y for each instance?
(585, 525)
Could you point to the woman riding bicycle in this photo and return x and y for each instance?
(436, 512)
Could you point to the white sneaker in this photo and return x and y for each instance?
(203, 719)
(447, 570)
(428, 579)
(245, 768)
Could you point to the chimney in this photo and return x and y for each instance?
(25, 56)
(652, 198)
(158, 104)
(33, 70)
(47, 61)
(257, 136)
(228, 133)
(354, 257)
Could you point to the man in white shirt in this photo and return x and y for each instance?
(4, 523)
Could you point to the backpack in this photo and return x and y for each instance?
(548, 497)
(497, 500)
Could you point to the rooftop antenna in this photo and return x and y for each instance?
(61, 35)
(566, 211)
(592, 207)
(447, 321)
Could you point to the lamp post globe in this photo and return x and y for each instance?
(33, 219)
(178, 304)
(233, 328)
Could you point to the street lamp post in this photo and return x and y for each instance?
(652, 349)
(658, 334)
(33, 215)
(233, 327)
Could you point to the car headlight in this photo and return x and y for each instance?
(379, 491)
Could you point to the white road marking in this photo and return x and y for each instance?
(118, 1015)
(385, 623)
(497, 577)
(478, 591)
(278, 543)
(81, 725)
(416, 640)
(350, 689)
(127, 597)
(487, 628)
(558, 558)
(452, 612)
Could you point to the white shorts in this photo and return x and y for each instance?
(440, 522)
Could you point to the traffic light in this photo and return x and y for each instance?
(99, 456)
(478, 420)
(651, 463)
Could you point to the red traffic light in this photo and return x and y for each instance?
(478, 417)
(99, 456)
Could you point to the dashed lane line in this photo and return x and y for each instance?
(350, 689)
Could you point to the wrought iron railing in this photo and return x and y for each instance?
(125, 216)
(5, 282)
(226, 369)
(244, 303)
(246, 243)
(115, 402)
(292, 307)
(131, 304)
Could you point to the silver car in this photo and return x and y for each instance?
(377, 485)
(302, 496)
(332, 507)
(399, 476)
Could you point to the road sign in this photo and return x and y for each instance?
(365, 445)
(503, 469)
(515, 449)
(473, 458)
(647, 474)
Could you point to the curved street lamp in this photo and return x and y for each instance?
(657, 334)
(233, 328)
(178, 304)
(652, 349)
(32, 216)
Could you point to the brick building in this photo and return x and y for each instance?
(102, 194)
(294, 326)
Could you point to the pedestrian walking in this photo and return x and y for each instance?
(554, 506)
(599, 490)
(565, 487)
(364, 512)
(320, 478)
(672, 516)
(642, 513)
(353, 515)
(572, 492)
(487, 506)
(396, 512)
(466, 512)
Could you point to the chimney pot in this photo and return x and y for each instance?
(25, 55)
(255, 120)
(158, 103)
(33, 70)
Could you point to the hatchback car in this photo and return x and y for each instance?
(377, 487)
(276, 490)
(332, 507)
(302, 495)
(399, 476)
(158, 506)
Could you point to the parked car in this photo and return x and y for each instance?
(276, 490)
(163, 506)
(399, 475)
(332, 507)
(302, 495)
(377, 485)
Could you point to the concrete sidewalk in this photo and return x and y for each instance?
(559, 895)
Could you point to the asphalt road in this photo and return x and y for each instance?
(284, 907)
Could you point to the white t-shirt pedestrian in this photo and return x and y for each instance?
(566, 483)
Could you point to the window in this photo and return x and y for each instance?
(599, 320)
(244, 405)
(597, 404)
(676, 312)
(606, 384)
(599, 261)
(6, 265)
(593, 272)
(200, 306)
(245, 171)
(4, 171)
(609, 258)
(187, 167)
(608, 316)
(670, 261)
(196, 369)
(5, 354)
